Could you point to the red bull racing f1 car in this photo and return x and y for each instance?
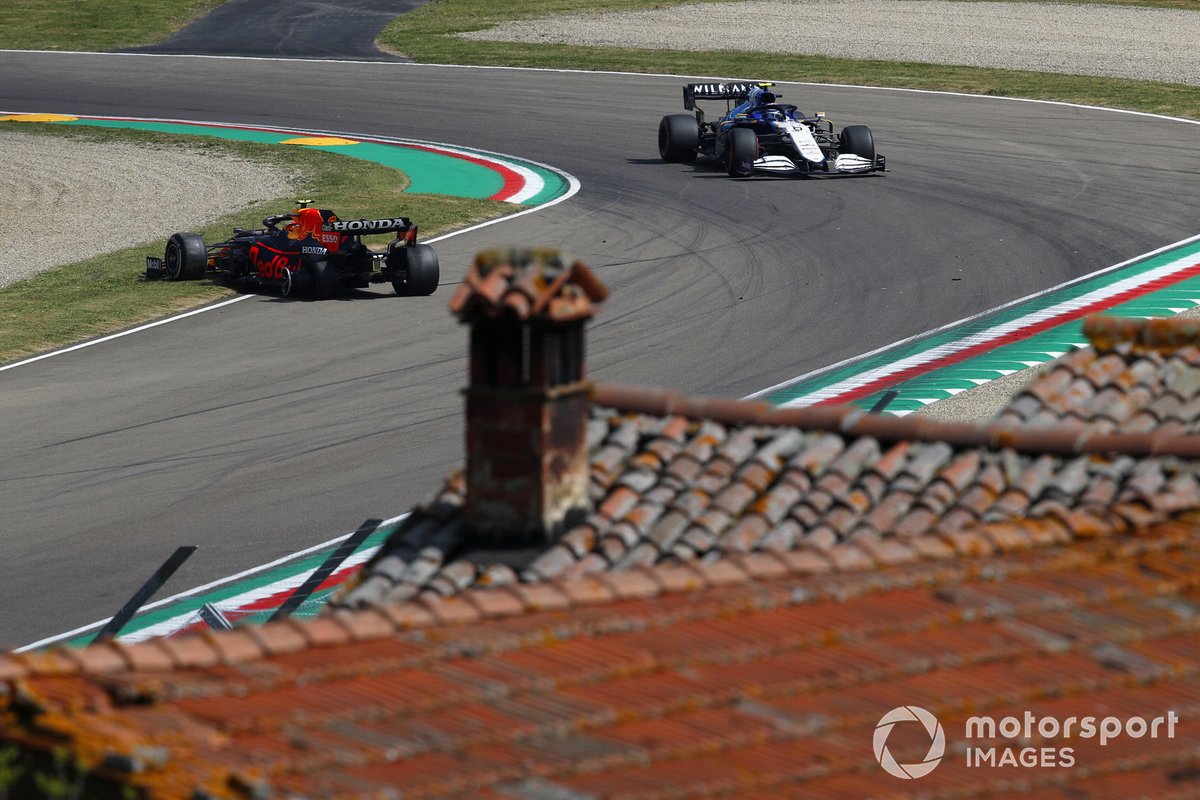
(761, 134)
(307, 252)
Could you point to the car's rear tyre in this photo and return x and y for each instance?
(417, 268)
(858, 140)
(185, 258)
(298, 283)
(325, 282)
(678, 138)
(741, 151)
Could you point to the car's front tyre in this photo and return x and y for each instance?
(185, 258)
(857, 140)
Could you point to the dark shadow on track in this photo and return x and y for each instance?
(289, 29)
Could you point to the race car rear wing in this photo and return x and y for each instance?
(715, 91)
(366, 226)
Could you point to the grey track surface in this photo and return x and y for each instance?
(290, 29)
(267, 426)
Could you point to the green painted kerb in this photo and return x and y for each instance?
(1036, 349)
(428, 172)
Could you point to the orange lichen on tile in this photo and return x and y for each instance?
(770, 683)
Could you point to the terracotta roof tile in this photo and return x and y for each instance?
(100, 658)
(710, 688)
(46, 662)
(449, 610)
(403, 617)
(12, 668)
(677, 578)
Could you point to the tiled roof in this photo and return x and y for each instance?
(676, 480)
(760, 676)
(1138, 376)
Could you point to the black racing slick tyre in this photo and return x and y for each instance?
(297, 283)
(858, 140)
(185, 258)
(419, 271)
(678, 138)
(741, 151)
(325, 281)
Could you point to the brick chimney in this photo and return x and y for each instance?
(527, 401)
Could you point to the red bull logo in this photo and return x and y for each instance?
(270, 263)
(308, 223)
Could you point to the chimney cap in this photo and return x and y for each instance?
(528, 283)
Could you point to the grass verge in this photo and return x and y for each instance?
(427, 34)
(104, 294)
(95, 25)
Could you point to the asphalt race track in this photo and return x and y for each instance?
(267, 426)
(290, 29)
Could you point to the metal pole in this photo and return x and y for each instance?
(213, 617)
(114, 625)
(348, 546)
(884, 401)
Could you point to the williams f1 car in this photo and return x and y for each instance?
(761, 134)
(307, 252)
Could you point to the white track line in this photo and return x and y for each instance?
(129, 332)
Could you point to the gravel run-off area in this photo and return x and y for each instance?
(1154, 44)
(71, 199)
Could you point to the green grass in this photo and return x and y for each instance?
(427, 34)
(103, 294)
(94, 24)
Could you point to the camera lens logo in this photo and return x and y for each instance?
(937, 747)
